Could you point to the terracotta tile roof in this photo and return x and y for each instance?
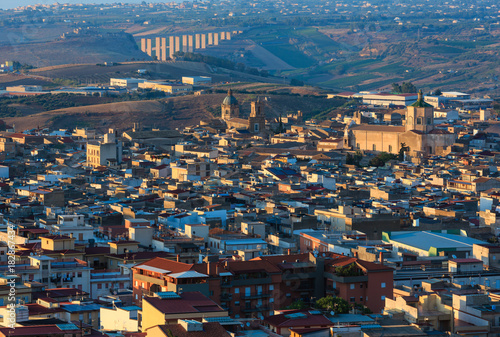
(212, 329)
(35, 331)
(285, 320)
(370, 266)
(172, 266)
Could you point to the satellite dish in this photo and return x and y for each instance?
(454, 256)
(332, 313)
(324, 254)
(248, 324)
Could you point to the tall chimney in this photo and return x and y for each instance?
(289, 251)
(178, 257)
(381, 257)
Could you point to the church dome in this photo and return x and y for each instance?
(230, 99)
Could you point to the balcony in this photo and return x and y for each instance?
(260, 309)
(226, 285)
(255, 296)
(251, 281)
(226, 297)
(347, 279)
(150, 279)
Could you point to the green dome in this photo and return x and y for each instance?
(230, 99)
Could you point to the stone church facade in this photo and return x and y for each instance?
(230, 111)
(419, 133)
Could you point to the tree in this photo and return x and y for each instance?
(361, 308)
(296, 82)
(438, 92)
(402, 150)
(381, 159)
(300, 304)
(404, 88)
(335, 304)
(354, 159)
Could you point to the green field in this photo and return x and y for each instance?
(290, 55)
(443, 50)
(378, 84)
(277, 41)
(467, 44)
(319, 39)
(393, 68)
(348, 80)
(351, 65)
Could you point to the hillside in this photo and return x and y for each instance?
(74, 49)
(167, 113)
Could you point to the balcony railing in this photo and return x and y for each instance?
(255, 296)
(226, 297)
(251, 281)
(256, 309)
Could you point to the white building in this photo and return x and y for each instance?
(386, 99)
(120, 319)
(107, 283)
(126, 82)
(196, 80)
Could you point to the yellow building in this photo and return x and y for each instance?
(170, 88)
(168, 307)
(106, 152)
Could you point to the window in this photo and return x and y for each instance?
(99, 285)
(361, 298)
(352, 299)
(256, 127)
(136, 283)
(361, 285)
(106, 285)
(382, 297)
(382, 285)
(429, 122)
(271, 287)
(353, 286)
(419, 120)
(390, 148)
(374, 147)
(236, 290)
(357, 146)
(79, 274)
(136, 297)
(237, 303)
(211, 293)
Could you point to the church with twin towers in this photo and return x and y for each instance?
(164, 48)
